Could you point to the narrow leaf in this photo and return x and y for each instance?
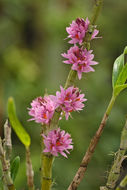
(16, 125)
(15, 167)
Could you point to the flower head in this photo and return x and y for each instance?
(81, 60)
(42, 110)
(69, 100)
(78, 29)
(57, 142)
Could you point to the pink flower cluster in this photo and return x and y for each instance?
(78, 30)
(57, 142)
(80, 58)
(69, 100)
(42, 110)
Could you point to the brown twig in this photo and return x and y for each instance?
(88, 155)
(83, 166)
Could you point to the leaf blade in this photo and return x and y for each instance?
(117, 68)
(122, 76)
(16, 125)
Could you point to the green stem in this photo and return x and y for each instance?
(96, 11)
(111, 103)
(55, 119)
(119, 157)
(47, 161)
(70, 79)
(88, 155)
(46, 164)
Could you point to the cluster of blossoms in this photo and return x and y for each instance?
(78, 30)
(42, 109)
(81, 59)
(70, 99)
(57, 142)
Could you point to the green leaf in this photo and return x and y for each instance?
(122, 76)
(117, 67)
(15, 167)
(119, 88)
(16, 125)
(119, 75)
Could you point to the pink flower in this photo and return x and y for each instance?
(42, 110)
(81, 60)
(69, 100)
(78, 30)
(57, 142)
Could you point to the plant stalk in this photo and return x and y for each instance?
(96, 10)
(70, 79)
(47, 162)
(29, 170)
(8, 143)
(5, 169)
(88, 155)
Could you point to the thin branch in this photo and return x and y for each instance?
(96, 11)
(88, 155)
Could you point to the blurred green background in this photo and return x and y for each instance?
(32, 37)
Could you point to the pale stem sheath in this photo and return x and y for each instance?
(29, 170)
(8, 143)
(5, 169)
